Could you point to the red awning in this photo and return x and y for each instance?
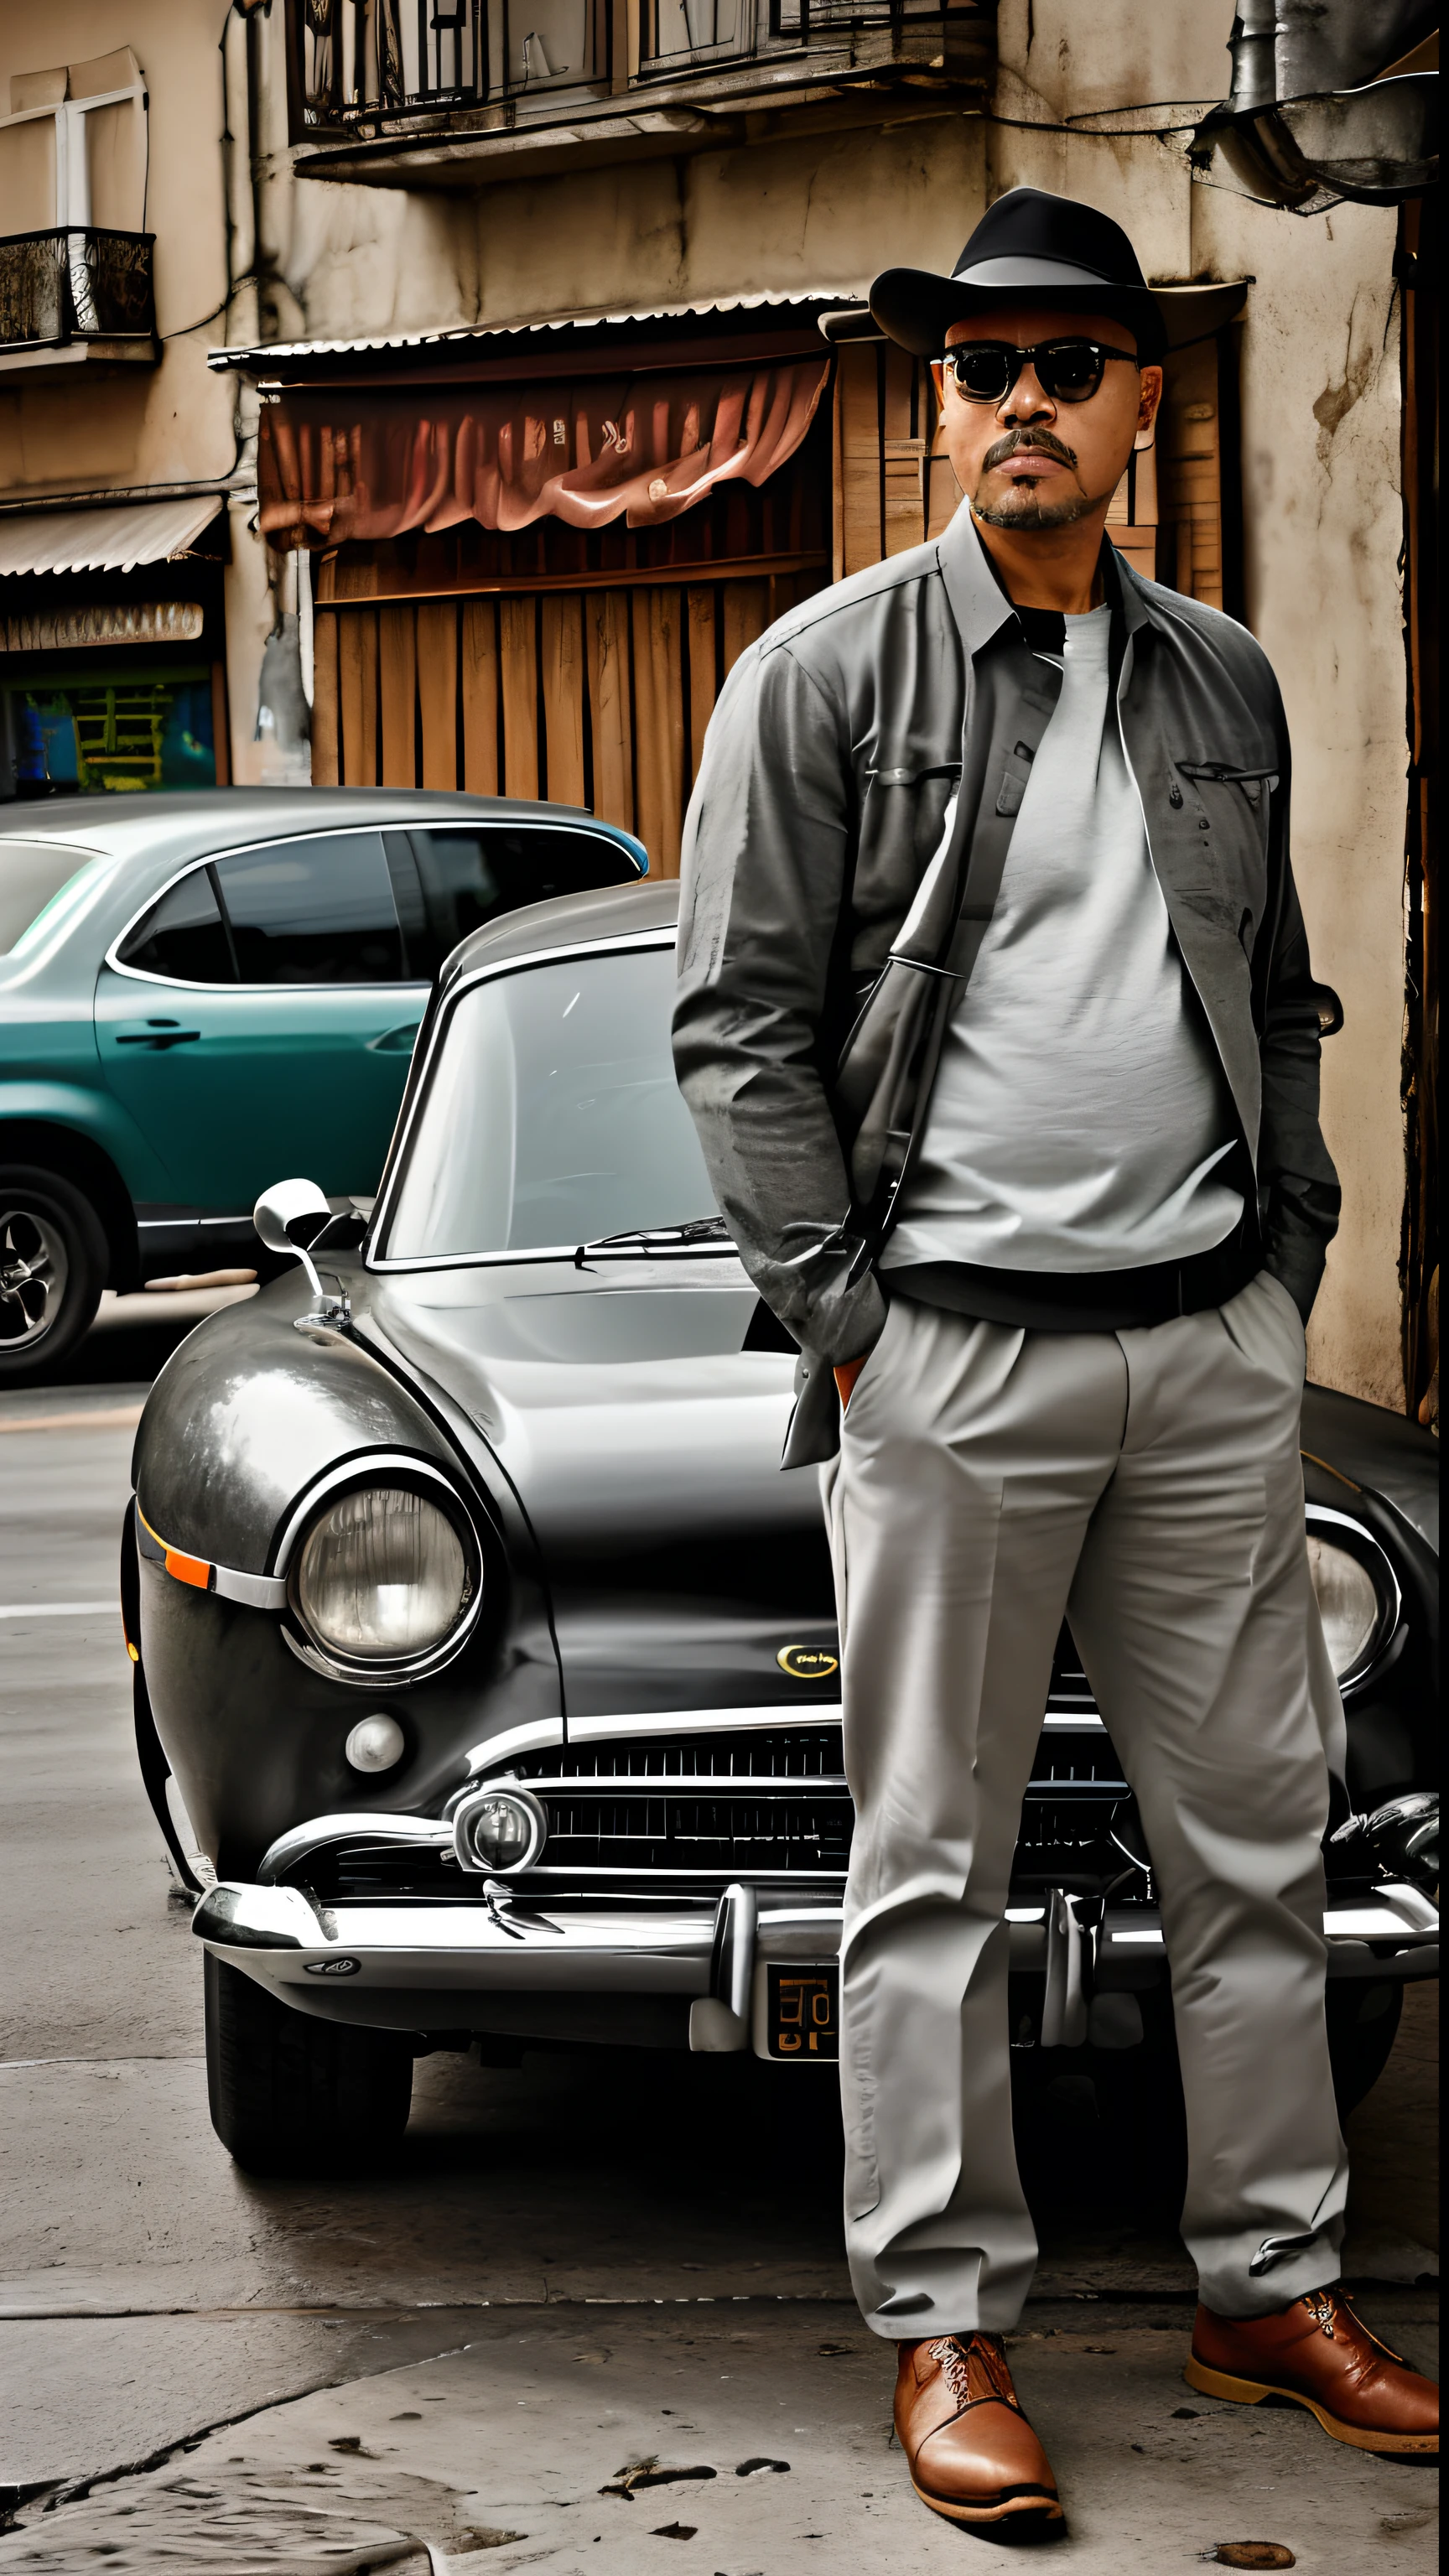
(341, 465)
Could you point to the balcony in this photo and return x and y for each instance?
(410, 93)
(76, 295)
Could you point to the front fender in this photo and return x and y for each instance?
(248, 1413)
(244, 1418)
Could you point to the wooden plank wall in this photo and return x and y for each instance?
(884, 420)
(1189, 454)
(596, 697)
(1132, 513)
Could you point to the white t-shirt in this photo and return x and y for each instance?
(1080, 1114)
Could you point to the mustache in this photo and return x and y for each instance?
(1019, 442)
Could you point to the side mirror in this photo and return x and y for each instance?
(289, 1217)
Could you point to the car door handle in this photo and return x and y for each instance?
(398, 1041)
(160, 1034)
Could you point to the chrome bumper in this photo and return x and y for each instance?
(510, 1944)
(715, 1956)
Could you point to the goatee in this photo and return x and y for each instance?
(1026, 509)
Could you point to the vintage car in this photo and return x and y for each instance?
(198, 990)
(486, 1662)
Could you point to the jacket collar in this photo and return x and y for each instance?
(980, 605)
(978, 602)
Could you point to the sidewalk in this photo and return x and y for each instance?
(774, 2416)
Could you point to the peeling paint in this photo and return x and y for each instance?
(1362, 358)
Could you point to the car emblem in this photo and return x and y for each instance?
(808, 1663)
(332, 1967)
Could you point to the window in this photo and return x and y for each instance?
(469, 877)
(31, 872)
(183, 935)
(552, 1115)
(380, 57)
(314, 912)
(691, 27)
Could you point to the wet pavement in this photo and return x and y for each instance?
(575, 2266)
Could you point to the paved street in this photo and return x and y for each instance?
(576, 2268)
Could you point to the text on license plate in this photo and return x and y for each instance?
(802, 2011)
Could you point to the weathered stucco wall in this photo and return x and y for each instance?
(1323, 529)
(70, 430)
(75, 429)
(824, 213)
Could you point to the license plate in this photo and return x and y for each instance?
(802, 2012)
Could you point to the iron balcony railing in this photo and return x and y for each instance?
(363, 61)
(75, 284)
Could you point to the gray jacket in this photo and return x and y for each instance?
(842, 855)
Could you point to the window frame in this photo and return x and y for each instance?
(624, 943)
(246, 849)
(588, 828)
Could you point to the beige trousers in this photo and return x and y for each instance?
(1148, 1484)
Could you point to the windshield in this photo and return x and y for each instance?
(31, 875)
(551, 1116)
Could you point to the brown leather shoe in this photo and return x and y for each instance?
(1318, 2353)
(971, 2452)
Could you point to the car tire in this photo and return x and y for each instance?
(290, 2094)
(1363, 2023)
(53, 1263)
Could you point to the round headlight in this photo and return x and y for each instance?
(382, 1576)
(1348, 1603)
(503, 1827)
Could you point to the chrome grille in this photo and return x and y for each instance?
(765, 1802)
(773, 1801)
(741, 1758)
(727, 1835)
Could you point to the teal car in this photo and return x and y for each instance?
(201, 991)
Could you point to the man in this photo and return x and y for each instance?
(997, 1022)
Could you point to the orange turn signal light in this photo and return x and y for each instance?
(189, 1569)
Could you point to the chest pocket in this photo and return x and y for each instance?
(1224, 845)
(1014, 778)
(1256, 784)
(900, 828)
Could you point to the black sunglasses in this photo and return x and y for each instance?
(1067, 371)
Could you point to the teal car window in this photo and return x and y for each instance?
(183, 935)
(318, 911)
(470, 873)
(552, 1115)
(31, 875)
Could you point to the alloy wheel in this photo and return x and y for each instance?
(34, 1274)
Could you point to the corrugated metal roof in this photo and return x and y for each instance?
(273, 352)
(103, 540)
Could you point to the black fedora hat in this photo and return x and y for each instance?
(1031, 247)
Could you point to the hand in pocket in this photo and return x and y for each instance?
(846, 1375)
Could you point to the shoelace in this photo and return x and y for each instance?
(955, 2365)
(1329, 2309)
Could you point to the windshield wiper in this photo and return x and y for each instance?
(658, 1242)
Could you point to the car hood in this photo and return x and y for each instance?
(684, 1570)
(622, 1404)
